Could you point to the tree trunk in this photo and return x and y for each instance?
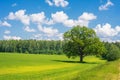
(81, 57)
(81, 54)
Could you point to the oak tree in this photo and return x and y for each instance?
(82, 41)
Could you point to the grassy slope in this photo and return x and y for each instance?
(51, 67)
(107, 71)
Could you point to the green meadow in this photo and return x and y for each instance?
(55, 67)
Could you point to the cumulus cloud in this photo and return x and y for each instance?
(87, 16)
(106, 6)
(48, 33)
(83, 20)
(59, 17)
(38, 17)
(28, 29)
(48, 30)
(58, 3)
(117, 28)
(107, 30)
(5, 23)
(7, 32)
(60, 36)
(11, 37)
(44, 24)
(19, 15)
(69, 23)
(107, 33)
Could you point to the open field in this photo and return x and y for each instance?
(55, 67)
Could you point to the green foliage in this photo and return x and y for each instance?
(117, 44)
(82, 41)
(32, 46)
(112, 53)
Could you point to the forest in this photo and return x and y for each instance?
(32, 46)
(38, 46)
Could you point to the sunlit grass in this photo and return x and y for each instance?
(32, 68)
(48, 67)
(106, 71)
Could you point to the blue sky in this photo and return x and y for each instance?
(49, 19)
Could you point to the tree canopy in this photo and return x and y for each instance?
(82, 41)
(112, 51)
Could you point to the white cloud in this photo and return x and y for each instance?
(19, 15)
(38, 17)
(83, 20)
(107, 30)
(25, 19)
(37, 35)
(27, 28)
(69, 23)
(15, 4)
(40, 20)
(49, 2)
(49, 31)
(87, 16)
(11, 16)
(58, 3)
(117, 28)
(62, 3)
(11, 37)
(5, 23)
(7, 32)
(107, 33)
(106, 6)
(60, 36)
(59, 17)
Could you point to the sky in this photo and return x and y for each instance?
(49, 19)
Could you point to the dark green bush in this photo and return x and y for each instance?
(112, 53)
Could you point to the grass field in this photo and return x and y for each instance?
(55, 67)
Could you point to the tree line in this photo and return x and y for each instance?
(112, 51)
(50, 47)
(32, 46)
